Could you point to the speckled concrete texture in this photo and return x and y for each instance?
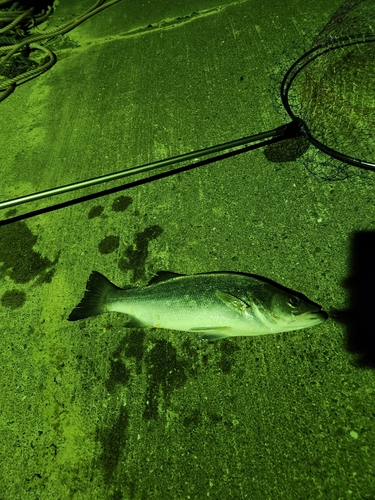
(93, 410)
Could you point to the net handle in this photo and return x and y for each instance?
(277, 134)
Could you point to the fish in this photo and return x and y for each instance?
(216, 304)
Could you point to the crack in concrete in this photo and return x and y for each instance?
(172, 23)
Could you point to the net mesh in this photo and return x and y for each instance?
(334, 92)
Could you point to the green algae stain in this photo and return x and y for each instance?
(227, 356)
(113, 440)
(135, 255)
(18, 259)
(121, 203)
(13, 299)
(95, 212)
(109, 244)
(165, 374)
(131, 346)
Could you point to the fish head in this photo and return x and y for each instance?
(284, 311)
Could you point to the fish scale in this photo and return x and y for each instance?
(217, 304)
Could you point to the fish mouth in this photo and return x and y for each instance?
(308, 318)
(313, 317)
(322, 315)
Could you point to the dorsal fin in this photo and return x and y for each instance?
(161, 276)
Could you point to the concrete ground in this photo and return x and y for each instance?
(92, 410)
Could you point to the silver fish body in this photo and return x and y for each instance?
(218, 304)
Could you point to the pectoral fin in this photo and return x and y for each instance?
(233, 302)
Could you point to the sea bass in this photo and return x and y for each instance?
(217, 304)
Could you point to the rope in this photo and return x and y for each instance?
(7, 85)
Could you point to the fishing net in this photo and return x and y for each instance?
(330, 92)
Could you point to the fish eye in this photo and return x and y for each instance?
(294, 301)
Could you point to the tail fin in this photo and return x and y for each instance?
(94, 299)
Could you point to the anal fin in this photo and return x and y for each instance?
(211, 334)
(212, 337)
